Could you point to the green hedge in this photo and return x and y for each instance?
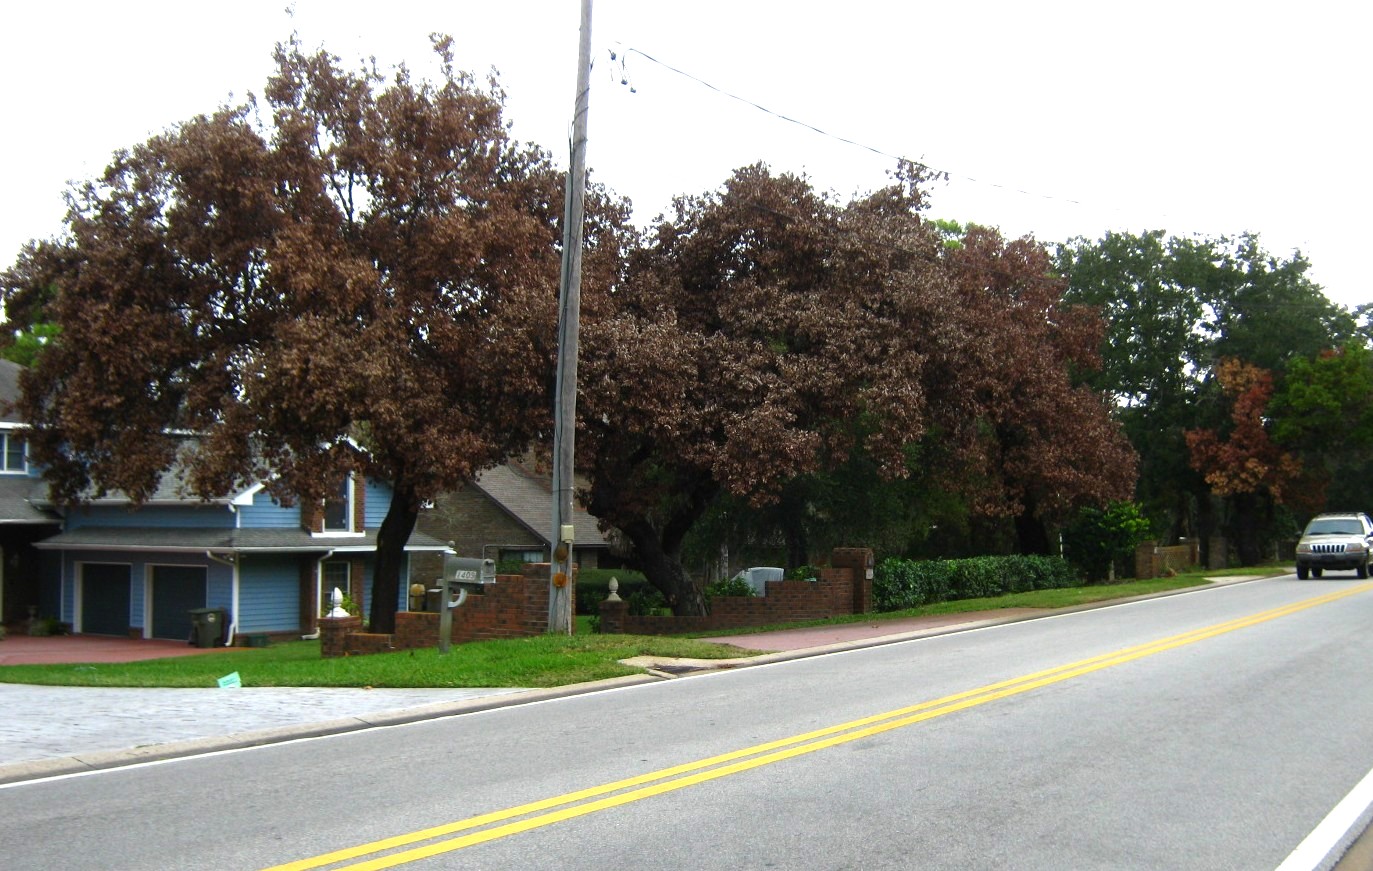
(593, 585)
(900, 584)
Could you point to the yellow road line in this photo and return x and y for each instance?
(693, 773)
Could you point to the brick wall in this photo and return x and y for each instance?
(844, 588)
(516, 606)
(468, 518)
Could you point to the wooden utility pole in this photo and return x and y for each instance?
(569, 314)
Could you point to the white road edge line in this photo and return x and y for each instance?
(1327, 843)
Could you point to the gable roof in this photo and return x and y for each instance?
(528, 498)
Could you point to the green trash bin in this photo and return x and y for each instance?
(207, 627)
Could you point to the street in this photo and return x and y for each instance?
(1209, 730)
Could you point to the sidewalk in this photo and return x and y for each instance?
(60, 730)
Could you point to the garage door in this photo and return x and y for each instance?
(104, 599)
(176, 590)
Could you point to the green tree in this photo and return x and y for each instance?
(1323, 410)
(1174, 307)
(1098, 538)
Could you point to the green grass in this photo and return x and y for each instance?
(542, 661)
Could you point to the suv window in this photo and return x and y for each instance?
(1335, 526)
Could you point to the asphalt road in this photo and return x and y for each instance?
(1210, 730)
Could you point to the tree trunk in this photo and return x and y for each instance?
(395, 532)
(663, 568)
(1247, 528)
(1030, 535)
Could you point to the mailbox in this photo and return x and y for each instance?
(461, 575)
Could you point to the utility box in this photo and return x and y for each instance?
(207, 627)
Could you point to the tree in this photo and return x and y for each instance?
(1323, 411)
(1245, 464)
(366, 284)
(1098, 537)
(767, 339)
(1173, 308)
(1044, 443)
(760, 335)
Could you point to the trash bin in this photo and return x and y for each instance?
(207, 626)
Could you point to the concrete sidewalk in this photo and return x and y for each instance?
(49, 730)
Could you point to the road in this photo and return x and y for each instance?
(1208, 730)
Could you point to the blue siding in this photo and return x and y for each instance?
(378, 502)
(179, 516)
(267, 513)
(269, 594)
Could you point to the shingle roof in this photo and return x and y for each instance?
(223, 540)
(16, 504)
(528, 498)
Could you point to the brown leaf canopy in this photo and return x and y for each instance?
(765, 332)
(376, 265)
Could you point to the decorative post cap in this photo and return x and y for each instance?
(336, 599)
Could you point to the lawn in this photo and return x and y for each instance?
(543, 661)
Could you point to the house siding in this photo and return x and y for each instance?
(376, 502)
(269, 594)
(267, 513)
(182, 516)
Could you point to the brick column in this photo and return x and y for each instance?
(613, 617)
(859, 560)
(333, 635)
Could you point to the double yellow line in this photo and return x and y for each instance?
(522, 818)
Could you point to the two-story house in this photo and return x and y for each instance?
(270, 567)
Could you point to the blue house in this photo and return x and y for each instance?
(140, 572)
(109, 569)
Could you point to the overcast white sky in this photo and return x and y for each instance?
(1052, 118)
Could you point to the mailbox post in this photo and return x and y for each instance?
(461, 576)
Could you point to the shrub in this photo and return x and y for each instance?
(593, 586)
(735, 586)
(900, 584)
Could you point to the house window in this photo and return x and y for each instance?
(523, 556)
(338, 509)
(14, 453)
(335, 574)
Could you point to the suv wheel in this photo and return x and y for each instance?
(1301, 572)
(1362, 570)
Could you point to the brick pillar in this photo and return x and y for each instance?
(859, 561)
(613, 617)
(333, 635)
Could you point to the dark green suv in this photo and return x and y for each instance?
(1335, 541)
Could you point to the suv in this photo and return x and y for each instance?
(1335, 541)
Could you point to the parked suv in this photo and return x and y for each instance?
(1335, 541)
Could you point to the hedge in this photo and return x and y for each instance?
(900, 584)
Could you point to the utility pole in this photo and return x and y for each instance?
(569, 316)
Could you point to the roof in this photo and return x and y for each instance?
(16, 503)
(242, 541)
(528, 498)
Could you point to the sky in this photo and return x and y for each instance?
(1054, 119)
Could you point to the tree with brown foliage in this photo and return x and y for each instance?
(1245, 464)
(767, 333)
(1033, 442)
(364, 284)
